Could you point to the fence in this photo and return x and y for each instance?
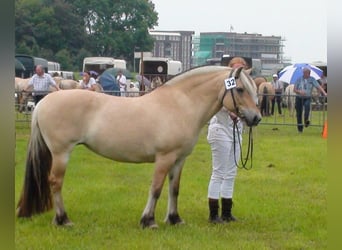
(318, 114)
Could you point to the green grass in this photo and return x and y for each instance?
(281, 203)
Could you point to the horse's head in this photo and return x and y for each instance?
(240, 96)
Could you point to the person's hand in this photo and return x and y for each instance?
(301, 92)
(233, 116)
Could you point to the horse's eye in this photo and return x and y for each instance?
(239, 90)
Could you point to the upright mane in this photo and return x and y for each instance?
(194, 71)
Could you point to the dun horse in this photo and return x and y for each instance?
(178, 110)
(266, 94)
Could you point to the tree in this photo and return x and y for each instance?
(72, 28)
(114, 28)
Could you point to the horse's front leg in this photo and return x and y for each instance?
(172, 216)
(56, 182)
(162, 167)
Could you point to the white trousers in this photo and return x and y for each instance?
(224, 169)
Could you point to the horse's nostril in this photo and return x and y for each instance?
(257, 119)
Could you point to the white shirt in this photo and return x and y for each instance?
(41, 83)
(121, 79)
(221, 121)
(88, 85)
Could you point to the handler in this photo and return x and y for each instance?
(221, 135)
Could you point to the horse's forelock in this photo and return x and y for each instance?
(249, 84)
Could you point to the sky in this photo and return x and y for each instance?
(302, 23)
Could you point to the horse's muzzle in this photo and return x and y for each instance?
(252, 120)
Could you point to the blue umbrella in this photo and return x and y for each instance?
(109, 84)
(291, 73)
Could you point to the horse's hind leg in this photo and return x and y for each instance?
(162, 168)
(172, 216)
(56, 180)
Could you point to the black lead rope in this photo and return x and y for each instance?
(249, 149)
(235, 128)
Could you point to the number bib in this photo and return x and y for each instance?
(230, 83)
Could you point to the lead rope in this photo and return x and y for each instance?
(235, 128)
(249, 153)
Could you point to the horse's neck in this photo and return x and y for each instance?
(202, 95)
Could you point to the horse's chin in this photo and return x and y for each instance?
(251, 121)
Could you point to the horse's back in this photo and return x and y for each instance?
(266, 88)
(258, 80)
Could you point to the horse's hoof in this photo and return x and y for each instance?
(174, 219)
(147, 222)
(153, 226)
(62, 220)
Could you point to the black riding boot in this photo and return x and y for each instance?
(227, 210)
(213, 211)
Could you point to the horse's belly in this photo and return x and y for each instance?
(123, 152)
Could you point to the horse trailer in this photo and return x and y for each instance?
(100, 64)
(30, 63)
(164, 68)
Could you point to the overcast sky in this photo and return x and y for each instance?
(302, 23)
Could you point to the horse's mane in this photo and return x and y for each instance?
(246, 79)
(195, 70)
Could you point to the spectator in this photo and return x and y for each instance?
(278, 88)
(121, 79)
(132, 90)
(41, 82)
(303, 89)
(88, 82)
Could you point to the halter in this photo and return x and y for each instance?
(236, 76)
(235, 128)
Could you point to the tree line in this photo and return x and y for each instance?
(66, 31)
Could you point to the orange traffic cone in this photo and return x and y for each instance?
(325, 130)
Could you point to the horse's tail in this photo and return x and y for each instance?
(36, 194)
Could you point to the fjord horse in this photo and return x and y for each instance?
(72, 84)
(21, 83)
(179, 110)
(258, 80)
(266, 93)
(290, 98)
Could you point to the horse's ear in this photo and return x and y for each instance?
(248, 71)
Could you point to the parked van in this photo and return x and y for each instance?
(53, 66)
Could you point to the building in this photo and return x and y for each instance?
(213, 45)
(193, 50)
(176, 45)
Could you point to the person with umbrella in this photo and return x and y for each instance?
(303, 88)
